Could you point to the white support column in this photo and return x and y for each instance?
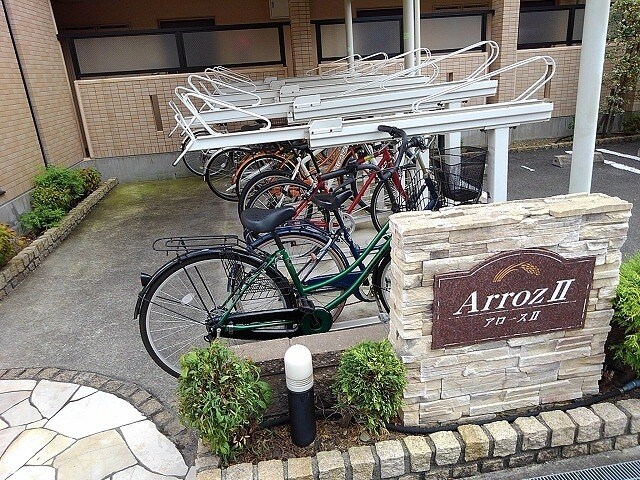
(417, 40)
(497, 164)
(348, 25)
(594, 38)
(453, 139)
(408, 25)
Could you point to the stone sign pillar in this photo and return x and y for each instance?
(504, 306)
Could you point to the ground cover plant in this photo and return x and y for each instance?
(57, 190)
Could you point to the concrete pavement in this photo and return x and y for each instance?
(75, 311)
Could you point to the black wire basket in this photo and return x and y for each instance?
(459, 172)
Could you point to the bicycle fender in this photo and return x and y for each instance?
(305, 229)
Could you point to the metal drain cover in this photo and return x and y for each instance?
(618, 471)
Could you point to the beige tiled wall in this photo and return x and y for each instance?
(504, 30)
(20, 155)
(563, 87)
(304, 58)
(118, 113)
(39, 50)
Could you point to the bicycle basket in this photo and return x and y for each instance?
(238, 273)
(460, 172)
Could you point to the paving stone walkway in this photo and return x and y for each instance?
(64, 431)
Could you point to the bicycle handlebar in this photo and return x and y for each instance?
(396, 133)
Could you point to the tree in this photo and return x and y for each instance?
(624, 52)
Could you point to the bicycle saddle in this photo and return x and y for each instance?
(260, 220)
(330, 202)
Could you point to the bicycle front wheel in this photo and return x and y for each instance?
(181, 306)
(314, 260)
(220, 169)
(382, 282)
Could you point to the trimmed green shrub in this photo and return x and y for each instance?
(626, 308)
(62, 179)
(221, 397)
(8, 240)
(51, 197)
(369, 384)
(41, 218)
(91, 179)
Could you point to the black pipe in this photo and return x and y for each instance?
(274, 422)
(24, 83)
(575, 404)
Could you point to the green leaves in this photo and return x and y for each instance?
(8, 240)
(626, 312)
(57, 190)
(370, 383)
(624, 53)
(222, 397)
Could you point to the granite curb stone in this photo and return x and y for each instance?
(588, 424)
(444, 454)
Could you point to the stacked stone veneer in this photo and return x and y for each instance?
(457, 453)
(12, 274)
(487, 378)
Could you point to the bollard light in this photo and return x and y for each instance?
(298, 370)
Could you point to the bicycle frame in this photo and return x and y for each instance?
(305, 290)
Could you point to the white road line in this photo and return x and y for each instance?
(528, 168)
(623, 155)
(620, 166)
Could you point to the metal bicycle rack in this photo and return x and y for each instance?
(352, 116)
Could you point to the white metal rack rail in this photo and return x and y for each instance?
(327, 126)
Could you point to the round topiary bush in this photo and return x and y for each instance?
(370, 383)
(221, 397)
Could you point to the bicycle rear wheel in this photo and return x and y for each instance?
(183, 303)
(257, 165)
(314, 261)
(282, 192)
(219, 171)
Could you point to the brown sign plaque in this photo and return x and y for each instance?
(512, 294)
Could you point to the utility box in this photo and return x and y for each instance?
(278, 9)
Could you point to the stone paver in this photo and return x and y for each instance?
(66, 431)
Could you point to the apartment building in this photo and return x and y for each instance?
(91, 79)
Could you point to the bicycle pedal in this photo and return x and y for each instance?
(305, 305)
(384, 317)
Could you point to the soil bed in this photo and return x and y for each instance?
(274, 443)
